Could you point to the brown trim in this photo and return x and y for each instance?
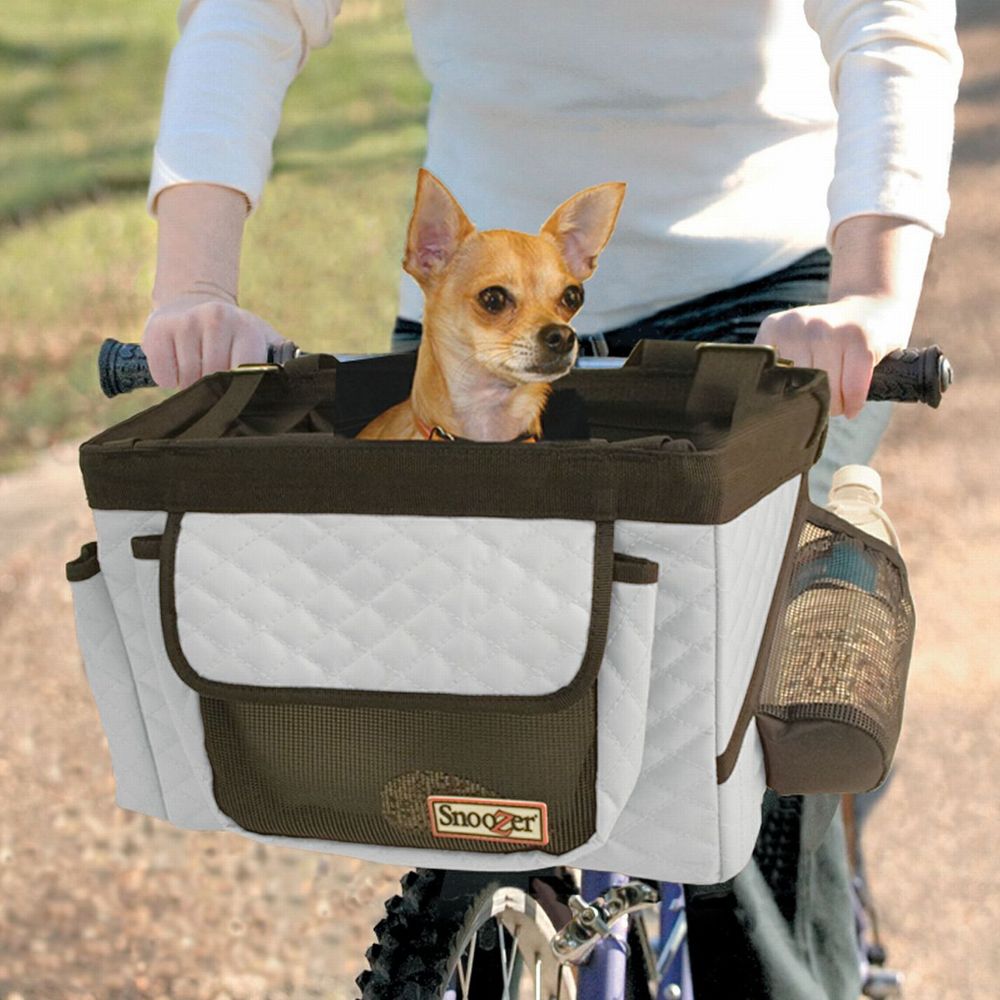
(554, 701)
(290, 449)
(725, 763)
(321, 474)
(85, 565)
(146, 546)
(833, 522)
(632, 569)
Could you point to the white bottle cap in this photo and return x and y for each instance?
(857, 475)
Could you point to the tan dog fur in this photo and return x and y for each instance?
(484, 374)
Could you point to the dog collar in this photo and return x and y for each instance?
(440, 434)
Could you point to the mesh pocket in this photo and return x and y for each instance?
(364, 775)
(831, 704)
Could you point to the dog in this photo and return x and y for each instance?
(497, 311)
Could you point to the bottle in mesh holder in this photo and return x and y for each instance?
(832, 698)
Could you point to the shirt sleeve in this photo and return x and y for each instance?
(894, 72)
(225, 85)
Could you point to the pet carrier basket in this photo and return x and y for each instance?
(473, 655)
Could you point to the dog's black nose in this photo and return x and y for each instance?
(557, 337)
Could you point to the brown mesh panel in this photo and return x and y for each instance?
(363, 775)
(841, 654)
(404, 799)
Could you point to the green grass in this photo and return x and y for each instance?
(79, 106)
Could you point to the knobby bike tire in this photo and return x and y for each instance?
(419, 940)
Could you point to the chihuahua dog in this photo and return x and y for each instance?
(497, 309)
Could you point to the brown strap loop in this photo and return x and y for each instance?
(214, 423)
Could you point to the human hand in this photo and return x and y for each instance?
(196, 334)
(845, 338)
(875, 280)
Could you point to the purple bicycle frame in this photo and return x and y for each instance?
(603, 975)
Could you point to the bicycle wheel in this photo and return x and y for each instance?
(476, 938)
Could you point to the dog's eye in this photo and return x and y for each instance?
(493, 299)
(572, 298)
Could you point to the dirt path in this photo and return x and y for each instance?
(99, 903)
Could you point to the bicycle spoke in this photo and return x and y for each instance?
(507, 969)
(513, 958)
(503, 959)
(465, 974)
(674, 942)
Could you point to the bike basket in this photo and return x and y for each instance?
(450, 654)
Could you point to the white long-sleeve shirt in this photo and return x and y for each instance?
(747, 130)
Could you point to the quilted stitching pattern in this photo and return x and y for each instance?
(748, 554)
(188, 758)
(670, 819)
(184, 796)
(678, 819)
(676, 823)
(464, 605)
(107, 670)
(739, 806)
(622, 697)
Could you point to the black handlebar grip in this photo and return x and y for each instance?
(912, 375)
(123, 367)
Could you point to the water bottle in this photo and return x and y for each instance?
(839, 652)
(856, 496)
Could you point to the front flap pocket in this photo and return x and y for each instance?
(369, 678)
(831, 704)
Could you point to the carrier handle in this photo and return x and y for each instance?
(910, 375)
(313, 375)
(233, 401)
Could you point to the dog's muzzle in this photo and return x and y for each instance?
(557, 338)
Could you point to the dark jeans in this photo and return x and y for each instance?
(783, 929)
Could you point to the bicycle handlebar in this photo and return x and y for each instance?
(910, 375)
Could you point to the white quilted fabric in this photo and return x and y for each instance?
(186, 800)
(462, 605)
(676, 823)
(622, 697)
(107, 669)
(748, 552)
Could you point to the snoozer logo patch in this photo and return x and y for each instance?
(512, 820)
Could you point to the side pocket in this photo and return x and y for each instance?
(106, 667)
(623, 687)
(831, 704)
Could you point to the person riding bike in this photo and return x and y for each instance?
(787, 167)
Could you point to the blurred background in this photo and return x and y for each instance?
(98, 903)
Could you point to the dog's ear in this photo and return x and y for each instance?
(582, 225)
(437, 227)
